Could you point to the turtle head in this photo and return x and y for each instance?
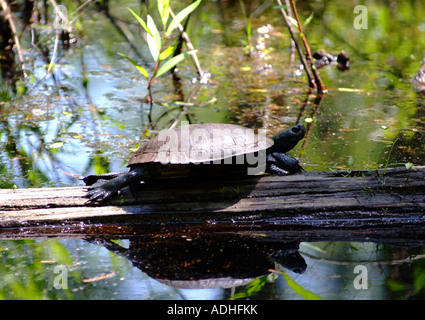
(288, 139)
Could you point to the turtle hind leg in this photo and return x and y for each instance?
(93, 178)
(104, 189)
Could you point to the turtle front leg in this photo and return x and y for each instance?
(276, 170)
(282, 164)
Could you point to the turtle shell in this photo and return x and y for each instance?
(200, 143)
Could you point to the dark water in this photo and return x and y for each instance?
(89, 115)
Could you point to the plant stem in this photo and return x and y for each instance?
(189, 45)
(389, 155)
(150, 83)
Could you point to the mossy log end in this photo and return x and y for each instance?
(387, 198)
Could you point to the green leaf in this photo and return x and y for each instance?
(306, 294)
(167, 52)
(293, 21)
(156, 44)
(164, 10)
(154, 31)
(308, 20)
(281, 7)
(138, 67)
(58, 252)
(142, 23)
(181, 15)
(153, 49)
(142, 71)
(153, 39)
(252, 288)
(173, 62)
(56, 145)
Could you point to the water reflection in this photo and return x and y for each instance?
(129, 262)
(206, 261)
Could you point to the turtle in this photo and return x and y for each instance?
(195, 150)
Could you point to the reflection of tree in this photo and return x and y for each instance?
(27, 270)
(406, 280)
(31, 157)
(37, 135)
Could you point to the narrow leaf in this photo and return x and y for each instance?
(142, 71)
(161, 4)
(167, 52)
(280, 7)
(181, 15)
(164, 10)
(293, 21)
(308, 20)
(56, 145)
(142, 23)
(154, 32)
(138, 67)
(173, 62)
(153, 48)
(306, 294)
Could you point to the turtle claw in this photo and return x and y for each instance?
(282, 164)
(99, 191)
(98, 195)
(276, 170)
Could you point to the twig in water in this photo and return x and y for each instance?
(55, 49)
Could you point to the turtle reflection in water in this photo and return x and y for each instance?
(208, 260)
(202, 150)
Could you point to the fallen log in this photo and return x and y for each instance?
(391, 198)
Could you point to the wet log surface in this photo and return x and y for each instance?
(312, 203)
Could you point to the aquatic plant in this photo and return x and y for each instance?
(162, 55)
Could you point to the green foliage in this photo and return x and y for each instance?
(100, 164)
(156, 40)
(141, 69)
(181, 15)
(256, 285)
(252, 288)
(304, 293)
(27, 270)
(173, 62)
